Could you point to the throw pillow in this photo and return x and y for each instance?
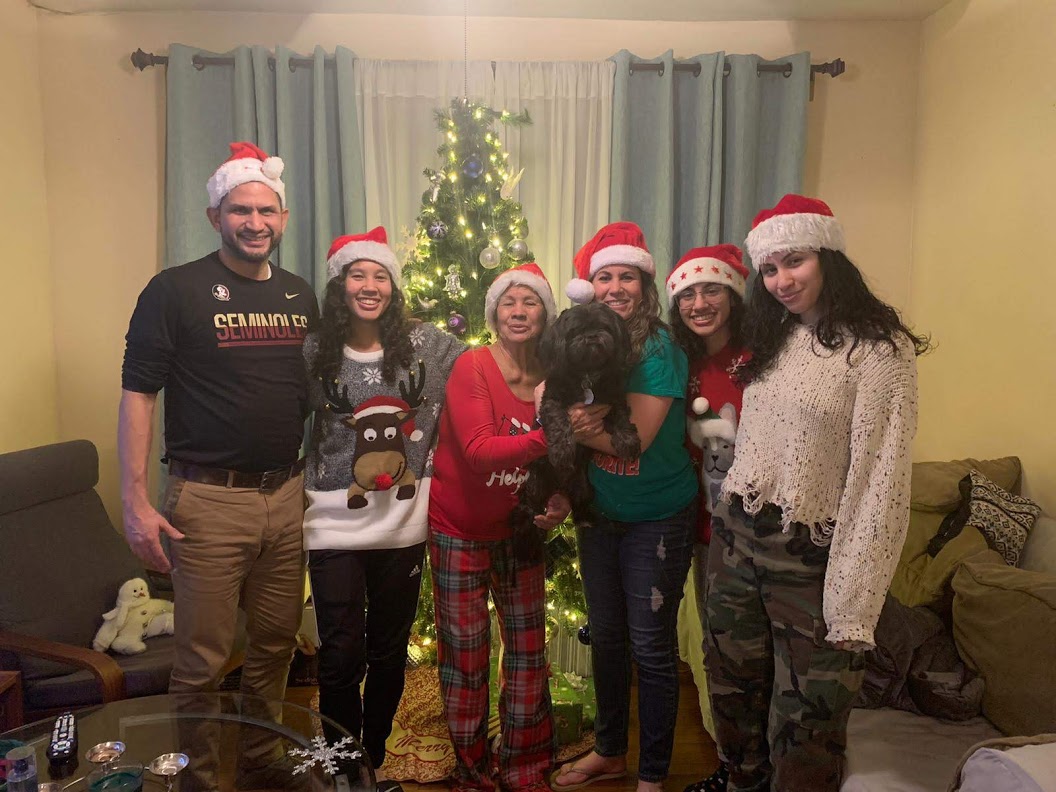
(1004, 623)
(935, 484)
(1003, 518)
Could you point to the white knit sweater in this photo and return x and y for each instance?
(829, 441)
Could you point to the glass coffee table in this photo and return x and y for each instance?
(230, 741)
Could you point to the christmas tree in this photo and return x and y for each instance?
(469, 230)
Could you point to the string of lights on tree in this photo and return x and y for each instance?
(469, 228)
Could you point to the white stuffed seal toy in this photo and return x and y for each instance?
(137, 616)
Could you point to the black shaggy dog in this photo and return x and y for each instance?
(586, 356)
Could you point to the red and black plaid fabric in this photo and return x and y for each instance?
(464, 572)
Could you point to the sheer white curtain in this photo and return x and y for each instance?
(565, 152)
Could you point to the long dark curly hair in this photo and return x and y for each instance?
(850, 314)
(645, 321)
(692, 344)
(335, 327)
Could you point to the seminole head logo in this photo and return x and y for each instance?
(221, 292)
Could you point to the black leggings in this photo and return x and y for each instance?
(365, 602)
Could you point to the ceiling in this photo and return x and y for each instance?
(660, 10)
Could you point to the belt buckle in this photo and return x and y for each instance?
(279, 477)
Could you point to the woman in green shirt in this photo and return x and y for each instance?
(635, 557)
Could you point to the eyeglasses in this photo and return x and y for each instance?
(712, 293)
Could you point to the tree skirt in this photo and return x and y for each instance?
(419, 748)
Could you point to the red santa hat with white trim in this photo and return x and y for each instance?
(617, 243)
(247, 163)
(713, 264)
(795, 223)
(371, 246)
(391, 405)
(528, 274)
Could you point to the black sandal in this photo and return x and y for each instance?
(716, 782)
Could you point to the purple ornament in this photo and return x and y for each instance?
(437, 230)
(457, 324)
(472, 167)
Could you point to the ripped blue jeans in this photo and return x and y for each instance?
(633, 576)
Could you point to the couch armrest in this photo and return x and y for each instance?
(103, 667)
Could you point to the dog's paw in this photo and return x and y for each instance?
(627, 444)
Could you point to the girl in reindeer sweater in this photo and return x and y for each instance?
(376, 382)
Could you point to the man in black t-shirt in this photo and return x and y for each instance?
(222, 337)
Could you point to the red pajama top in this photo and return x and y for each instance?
(487, 437)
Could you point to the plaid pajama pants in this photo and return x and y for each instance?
(464, 572)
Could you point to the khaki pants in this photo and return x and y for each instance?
(241, 547)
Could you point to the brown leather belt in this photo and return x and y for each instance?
(268, 481)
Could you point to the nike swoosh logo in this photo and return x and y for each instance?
(291, 296)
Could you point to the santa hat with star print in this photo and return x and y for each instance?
(372, 246)
(247, 163)
(617, 243)
(527, 274)
(796, 223)
(714, 264)
(390, 405)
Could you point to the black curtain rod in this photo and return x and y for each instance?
(142, 60)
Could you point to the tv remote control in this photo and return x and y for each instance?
(62, 750)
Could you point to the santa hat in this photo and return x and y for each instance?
(717, 425)
(247, 163)
(715, 264)
(796, 223)
(527, 274)
(372, 246)
(388, 404)
(617, 243)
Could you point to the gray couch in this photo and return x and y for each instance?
(1004, 622)
(61, 564)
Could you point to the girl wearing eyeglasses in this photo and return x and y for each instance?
(705, 292)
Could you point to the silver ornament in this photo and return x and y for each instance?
(517, 249)
(490, 257)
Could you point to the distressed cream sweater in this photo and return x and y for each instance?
(829, 441)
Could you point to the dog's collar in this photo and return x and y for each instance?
(588, 393)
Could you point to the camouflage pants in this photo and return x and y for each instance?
(780, 694)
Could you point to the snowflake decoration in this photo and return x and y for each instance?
(324, 755)
(372, 376)
(404, 249)
(694, 386)
(436, 409)
(418, 336)
(736, 365)
(429, 459)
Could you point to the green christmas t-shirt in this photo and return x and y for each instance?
(661, 482)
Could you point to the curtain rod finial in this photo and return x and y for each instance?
(141, 60)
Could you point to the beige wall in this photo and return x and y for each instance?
(27, 386)
(105, 248)
(983, 282)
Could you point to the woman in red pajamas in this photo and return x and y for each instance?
(488, 435)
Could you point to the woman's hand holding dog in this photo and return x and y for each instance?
(586, 420)
(557, 509)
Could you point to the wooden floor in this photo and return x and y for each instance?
(694, 754)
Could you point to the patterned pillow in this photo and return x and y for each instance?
(1003, 518)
